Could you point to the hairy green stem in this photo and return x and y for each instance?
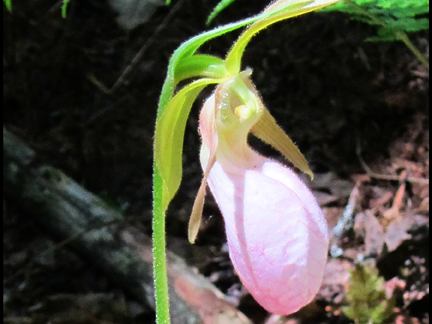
(159, 252)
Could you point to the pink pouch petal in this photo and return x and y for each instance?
(276, 232)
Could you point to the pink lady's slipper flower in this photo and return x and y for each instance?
(277, 234)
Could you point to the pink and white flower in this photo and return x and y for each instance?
(276, 232)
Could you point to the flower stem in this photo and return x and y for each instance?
(159, 252)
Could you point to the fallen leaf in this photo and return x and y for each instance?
(397, 232)
(374, 237)
(381, 201)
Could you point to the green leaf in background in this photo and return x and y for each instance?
(8, 4)
(64, 8)
(387, 33)
(219, 7)
(389, 15)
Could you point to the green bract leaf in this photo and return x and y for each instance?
(282, 9)
(200, 66)
(170, 128)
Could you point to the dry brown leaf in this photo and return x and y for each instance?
(374, 237)
(398, 200)
(381, 201)
(397, 232)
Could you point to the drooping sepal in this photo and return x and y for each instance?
(197, 210)
(271, 133)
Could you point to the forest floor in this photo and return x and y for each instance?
(357, 110)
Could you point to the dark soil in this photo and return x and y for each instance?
(342, 100)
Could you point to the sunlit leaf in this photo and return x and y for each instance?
(200, 66)
(279, 10)
(170, 128)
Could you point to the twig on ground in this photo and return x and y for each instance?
(388, 177)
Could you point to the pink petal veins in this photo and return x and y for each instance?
(277, 239)
(276, 232)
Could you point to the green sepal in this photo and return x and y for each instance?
(169, 133)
